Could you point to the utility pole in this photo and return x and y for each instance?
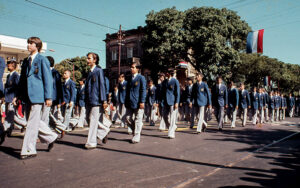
(120, 37)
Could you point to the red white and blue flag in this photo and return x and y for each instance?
(255, 41)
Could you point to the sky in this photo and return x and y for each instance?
(70, 37)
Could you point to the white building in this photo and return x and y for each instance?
(12, 47)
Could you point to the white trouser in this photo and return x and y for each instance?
(151, 113)
(170, 116)
(82, 120)
(277, 114)
(272, 114)
(9, 119)
(232, 115)
(67, 115)
(162, 124)
(266, 114)
(134, 118)
(36, 128)
(262, 115)
(121, 111)
(219, 113)
(254, 116)
(198, 111)
(45, 114)
(291, 112)
(104, 126)
(244, 121)
(94, 115)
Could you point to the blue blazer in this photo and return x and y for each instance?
(277, 101)
(95, 91)
(245, 100)
(57, 87)
(200, 94)
(267, 99)
(233, 98)
(255, 100)
(122, 92)
(81, 96)
(11, 87)
(35, 83)
(107, 85)
(158, 94)
(261, 100)
(151, 95)
(283, 102)
(135, 92)
(220, 96)
(69, 91)
(272, 102)
(291, 102)
(2, 68)
(170, 92)
(188, 94)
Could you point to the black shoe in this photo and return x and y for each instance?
(105, 139)
(191, 127)
(9, 132)
(50, 146)
(203, 128)
(2, 138)
(23, 157)
(220, 129)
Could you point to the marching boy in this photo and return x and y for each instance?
(35, 89)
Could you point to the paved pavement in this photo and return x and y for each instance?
(251, 156)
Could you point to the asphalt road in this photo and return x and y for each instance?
(251, 156)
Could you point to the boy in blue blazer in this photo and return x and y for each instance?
(200, 98)
(69, 96)
(95, 101)
(255, 105)
(277, 104)
(220, 101)
(291, 105)
(135, 102)
(233, 103)
(121, 109)
(160, 105)
(245, 103)
(171, 97)
(10, 90)
(35, 89)
(81, 103)
(272, 105)
(151, 103)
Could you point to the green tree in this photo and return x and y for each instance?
(163, 42)
(215, 38)
(80, 67)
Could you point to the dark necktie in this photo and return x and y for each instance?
(29, 63)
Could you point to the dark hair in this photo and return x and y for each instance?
(37, 41)
(51, 60)
(200, 74)
(149, 81)
(82, 79)
(137, 65)
(161, 74)
(95, 56)
(219, 77)
(14, 62)
(67, 70)
(122, 75)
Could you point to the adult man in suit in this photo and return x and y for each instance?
(200, 98)
(10, 90)
(121, 110)
(255, 105)
(56, 94)
(219, 101)
(233, 100)
(170, 98)
(151, 102)
(135, 102)
(95, 100)
(160, 105)
(291, 105)
(188, 97)
(245, 103)
(35, 88)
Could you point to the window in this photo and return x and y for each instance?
(129, 52)
(114, 55)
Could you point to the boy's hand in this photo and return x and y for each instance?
(48, 102)
(71, 104)
(14, 101)
(142, 105)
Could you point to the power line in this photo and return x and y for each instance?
(59, 43)
(70, 15)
